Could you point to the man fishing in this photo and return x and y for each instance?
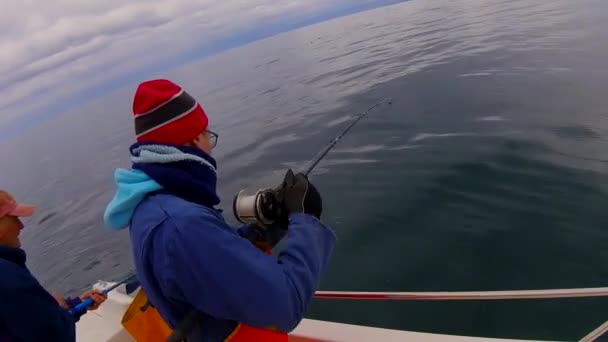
(187, 257)
(27, 311)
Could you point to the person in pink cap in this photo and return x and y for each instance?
(27, 311)
(10, 225)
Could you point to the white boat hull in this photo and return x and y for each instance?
(103, 325)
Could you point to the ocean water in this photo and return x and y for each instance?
(488, 172)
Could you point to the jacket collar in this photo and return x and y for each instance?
(14, 255)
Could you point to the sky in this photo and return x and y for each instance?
(58, 54)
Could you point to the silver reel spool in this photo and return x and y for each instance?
(260, 208)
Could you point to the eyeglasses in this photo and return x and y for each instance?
(213, 137)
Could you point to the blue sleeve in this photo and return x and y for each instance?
(31, 314)
(225, 276)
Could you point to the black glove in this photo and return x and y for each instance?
(268, 236)
(300, 196)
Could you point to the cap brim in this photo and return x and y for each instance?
(23, 210)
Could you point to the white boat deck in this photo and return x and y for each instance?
(103, 325)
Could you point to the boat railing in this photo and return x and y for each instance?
(478, 295)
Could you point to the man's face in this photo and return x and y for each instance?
(203, 142)
(10, 227)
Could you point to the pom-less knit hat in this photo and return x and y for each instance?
(165, 113)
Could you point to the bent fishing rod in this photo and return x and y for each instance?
(262, 208)
(257, 209)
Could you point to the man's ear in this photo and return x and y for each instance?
(194, 141)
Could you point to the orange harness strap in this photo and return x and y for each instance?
(247, 333)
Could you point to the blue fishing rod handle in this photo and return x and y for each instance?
(82, 307)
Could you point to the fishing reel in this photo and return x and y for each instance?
(266, 207)
(262, 208)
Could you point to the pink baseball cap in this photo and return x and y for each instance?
(9, 207)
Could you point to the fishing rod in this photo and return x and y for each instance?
(321, 154)
(82, 307)
(263, 208)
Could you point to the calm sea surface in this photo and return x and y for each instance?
(488, 172)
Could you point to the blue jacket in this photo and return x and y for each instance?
(187, 257)
(27, 311)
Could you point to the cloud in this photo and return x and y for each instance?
(52, 50)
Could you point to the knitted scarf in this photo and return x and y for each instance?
(183, 171)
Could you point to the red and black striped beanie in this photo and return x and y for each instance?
(165, 113)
